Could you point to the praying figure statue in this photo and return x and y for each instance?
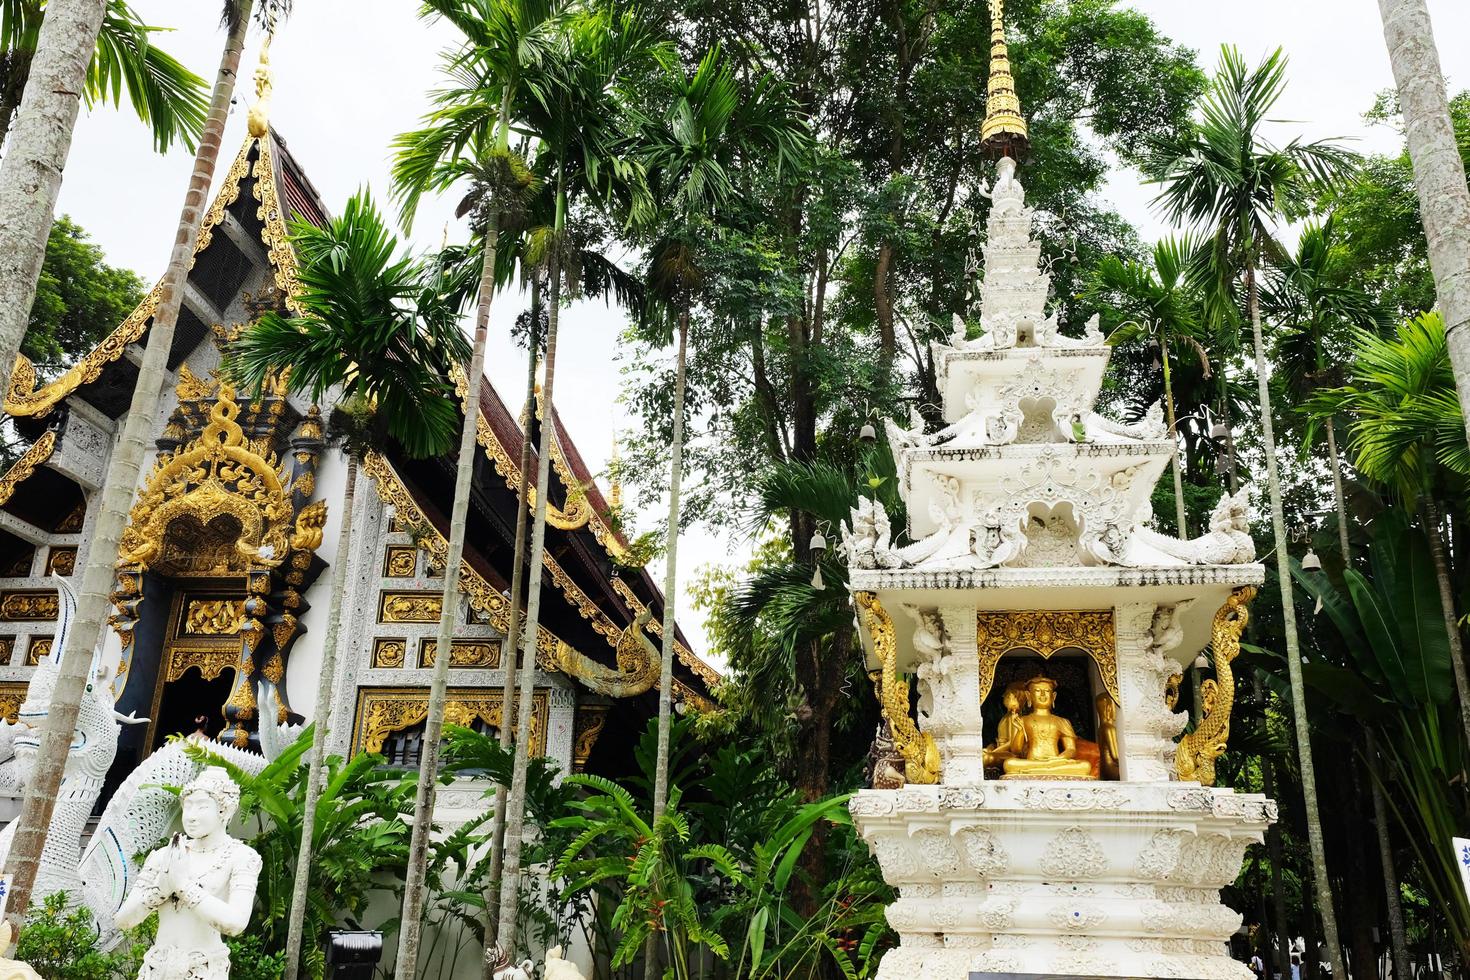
(202, 883)
(1016, 701)
(1044, 745)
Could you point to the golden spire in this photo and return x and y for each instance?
(260, 113)
(1004, 130)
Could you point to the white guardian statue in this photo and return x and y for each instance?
(202, 883)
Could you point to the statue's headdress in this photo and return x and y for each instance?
(215, 782)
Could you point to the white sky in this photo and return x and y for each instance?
(351, 74)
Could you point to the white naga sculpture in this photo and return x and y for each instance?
(1227, 543)
(202, 884)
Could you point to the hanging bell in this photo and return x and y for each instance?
(1219, 431)
(1310, 562)
(867, 433)
(819, 542)
(817, 582)
(1222, 465)
(1201, 663)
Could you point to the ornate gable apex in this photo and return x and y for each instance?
(260, 190)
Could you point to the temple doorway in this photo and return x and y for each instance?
(192, 702)
(197, 668)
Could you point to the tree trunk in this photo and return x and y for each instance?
(321, 721)
(1447, 605)
(512, 642)
(671, 584)
(1293, 642)
(116, 497)
(1439, 172)
(883, 302)
(30, 179)
(516, 805)
(411, 922)
(1182, 527)
(1282, 932)
(1393, 896)
(1338, 494)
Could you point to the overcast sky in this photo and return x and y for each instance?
(351, 74)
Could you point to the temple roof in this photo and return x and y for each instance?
(598, 596)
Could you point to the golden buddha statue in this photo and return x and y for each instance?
(1044, 745)
(1016, 702)
(1107, 735)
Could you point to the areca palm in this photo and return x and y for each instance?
(575, 111)
(128, 458)
(1314, 306)
(1407, 434)
(467, 137)
(377, 330)
(1164, 309)
(1225, 178)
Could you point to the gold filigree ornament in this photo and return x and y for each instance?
(638, 664)
(38, 453)
(1194, 760)
(920, 754)
(216, 475)
(1044, 632)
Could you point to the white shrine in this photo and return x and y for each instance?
(1040, 816)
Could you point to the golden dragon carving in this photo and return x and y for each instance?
(639, 663)
(1194, 760)
(920, 754)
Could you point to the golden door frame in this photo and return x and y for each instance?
(1045, 632)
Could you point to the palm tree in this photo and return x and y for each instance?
(1225, 178)
(377, 331)
(691, 155)
(1314, 306)
(1406, 435)
(576, 111)
(1164, 309)
(467, 136)
(1439, 171)
(127, 459)
(78, 50)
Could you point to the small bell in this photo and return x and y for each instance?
(817, 582)
(819, 542)
(867, 433)
(1218, 431)
(1222, 465)
(1201, 663)
(1310, 562)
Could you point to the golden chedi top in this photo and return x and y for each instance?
(259, 117)
(1004, 131)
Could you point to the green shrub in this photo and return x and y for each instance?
(250, 961)
(61, 944)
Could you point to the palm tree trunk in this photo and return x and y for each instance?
(1439, 172)
(1179, 513)
(321, 722)
(1293, 641)
(30, 179)
(411, 922)
(671, 582)
(1337, 493)
(512, 634)
(1278, 886)
(515, 819)
(1393, 896)
(127, 458)
(1447, 605)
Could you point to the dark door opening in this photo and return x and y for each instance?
(189, 698)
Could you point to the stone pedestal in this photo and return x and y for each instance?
(1056, 877)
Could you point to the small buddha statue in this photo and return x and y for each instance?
(1107, 735)
(202, 883)
(1045, 745)
(1016, 701)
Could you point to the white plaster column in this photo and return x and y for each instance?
(955, 720)
(1147, 727)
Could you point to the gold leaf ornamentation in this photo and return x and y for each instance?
(38, 453)
(381, 711)
(920, 754)
(1195, 757)
(1044, 632)
(591, 720)
(28, 606)
(389, 653)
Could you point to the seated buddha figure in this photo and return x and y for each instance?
(1016, 701)
(1044, 745)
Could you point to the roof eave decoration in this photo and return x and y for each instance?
(24, 398)
(1004, 132)
(38, 453)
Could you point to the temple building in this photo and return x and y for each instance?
(222, 579)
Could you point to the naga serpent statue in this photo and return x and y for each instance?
(141, 813)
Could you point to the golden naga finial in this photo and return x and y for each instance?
(615, 472)
(260, 113)
(1004, 132)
